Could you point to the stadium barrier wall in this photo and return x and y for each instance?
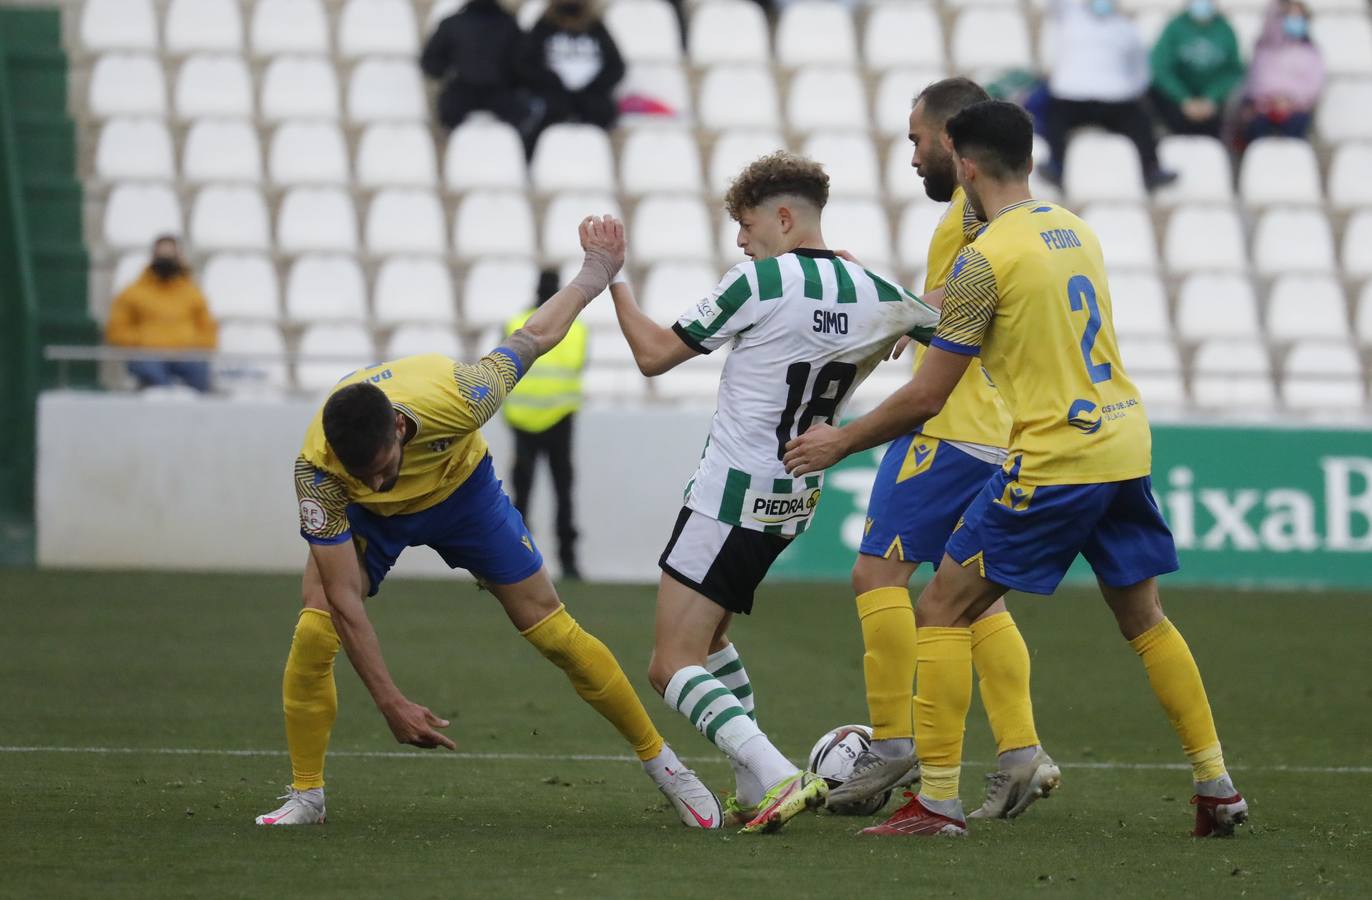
(129, 482)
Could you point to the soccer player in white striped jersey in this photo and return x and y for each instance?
(804, 327)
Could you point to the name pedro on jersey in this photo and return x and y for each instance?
(774, 509)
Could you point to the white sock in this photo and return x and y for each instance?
(893, 748)
(766, 763)
(663, 766)
(717, 714)
(727, 667)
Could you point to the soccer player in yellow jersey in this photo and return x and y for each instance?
(396, 459)
(1030, 297)
(925, 481)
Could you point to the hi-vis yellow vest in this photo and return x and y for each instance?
(551, 389)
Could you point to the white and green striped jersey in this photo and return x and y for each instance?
(806, 328)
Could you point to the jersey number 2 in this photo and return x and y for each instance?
(831, 386)
(1080, 291)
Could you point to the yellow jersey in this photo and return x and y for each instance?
(1031, 298)
(446, 401)
(973, 413)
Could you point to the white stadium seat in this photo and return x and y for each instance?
(257, 338)
(1202, 237)
(561, 242)
(736, 149)
(241, 286)
(214, 86)
(1232, 375)
(917, 223)
(194, 26)
(1357, 245)
(902, 34)
(1345, 42)
(137, 213)
(644, 30)
(1350, 176)
(441, 10)
(127, 85)
(134, 148)
(378, 27)
(494, 290)
(670, 228)
(1126, 235)
(329, 352)
(660, 160)
(727, 247)
(308, 153)
(299, 87)
(1247, 24)
(414, 289)
(599, 315)
(862, 228)
(573, 158)
(664, 84)
(994, 39)
(1151, 357)
(811, 32)
(326, 288)
(493, 223)
(412, 340)
(229, 218)
(824, 99)
(895, 97)
(1101, 166)
(672, 287)
(386, 90)
(221, 150)
(1362, 323)
(119, 25)
(743, 96)
(1323, 374)
(129, 269)
(1306, 306)
(850, 161)
(1202, 167)
(405, 220)
(1341, 115)
(399, 155)
(728, 31)
(1279, 170)
(482, 154)
(1138, 305)
(1217, 306)
(902, 182)
(316, 219)
(289, 26)
(1293, 240)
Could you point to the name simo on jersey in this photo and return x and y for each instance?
(830, 322)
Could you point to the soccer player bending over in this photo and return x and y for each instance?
(1030, 298)
(805, 328)
(395, 459)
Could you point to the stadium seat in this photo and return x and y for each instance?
(1306, 306)
(289, 26)
(493, 223)
(599, 314)
(826, 99)
(660, 160)
(137, 213)
(810, 32)
(728, 31)
(195, 26)
(229, 218)
(1247, 24)
(1345, 42)
(728, 250)
(1201, 238)
(664, 84)
(118, 25)
(573, 158)
(1126, 235)
(213, 86)
(405, 220)
(895, 93)
(413, 340)
(1217, 306)
(1342, 113)
(898, 34)
(313, 219)
(645, 30)
(484, 155)
(1138, 305)
(990, 39)
(1357, 245)
(241, 286)
(128, 269)
(902, 182)
(670, 228)
(850, 161)
(299, 87)
(917, 223)
(1293, 240)
(326, 288)
(308, 153)
(1202, 164)
(671, 288)
(1279, 170)
(329, 352)
(494, 290)
(386, 90)
(738, 97)
(256, 338)
(414, 289)
(562, 217)
(1149, 357)
(1232, 375)
(734, 150)
(862, 228)
(127, 85)
(1362, 323)
(1350, 176)
(134, 148)
(400, 155)
(221, 150)
(1102, 166)
(1323, 374)
(378, 27)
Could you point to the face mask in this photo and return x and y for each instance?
(165, 267)
(1103, 8)
(1202, 10)
(1295, 26)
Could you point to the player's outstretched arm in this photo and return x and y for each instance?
(656, 349)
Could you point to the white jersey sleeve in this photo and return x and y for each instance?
(729, 310)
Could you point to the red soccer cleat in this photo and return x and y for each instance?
(914, 818)
(1219, 816)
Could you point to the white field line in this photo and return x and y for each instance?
(595, 757)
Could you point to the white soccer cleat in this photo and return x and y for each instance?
(300, 808)
(695, 804)
(1010, 791)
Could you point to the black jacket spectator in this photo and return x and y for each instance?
(570, 61)
(473, 55)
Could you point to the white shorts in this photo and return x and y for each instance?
(723, 562)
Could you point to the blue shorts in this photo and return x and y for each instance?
(922, 488)
(1025, 537)
(477, 529)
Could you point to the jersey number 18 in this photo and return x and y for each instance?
(832, 384)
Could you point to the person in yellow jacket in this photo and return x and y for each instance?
(541, 410)
(163, 309)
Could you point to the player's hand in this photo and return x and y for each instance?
(416, 725)
(818, 448)
(899, 347)
(844, 254)
(604, 235)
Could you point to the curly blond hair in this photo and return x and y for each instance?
(779, 174)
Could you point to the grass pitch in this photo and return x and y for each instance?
(176, 679)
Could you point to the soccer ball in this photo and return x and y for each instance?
(832, 759)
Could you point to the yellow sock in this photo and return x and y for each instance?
(888, 633)
(309, 696)
(945, 694)
(1177, 683)
(1002, 663)
(597, 677)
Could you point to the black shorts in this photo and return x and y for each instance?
(723, 562)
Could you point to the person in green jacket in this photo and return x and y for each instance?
(1196, 65)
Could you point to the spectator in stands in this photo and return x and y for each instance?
(572, 64)
(1196, 65)
(1285, 79)
(164, 310)
(1100, 74)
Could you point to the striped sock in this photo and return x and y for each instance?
(728, 670)
(716, 713)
